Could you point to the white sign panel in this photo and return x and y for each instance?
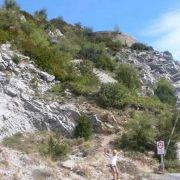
(160, 147)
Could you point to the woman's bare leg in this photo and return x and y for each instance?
(114, 173)
(117, 173)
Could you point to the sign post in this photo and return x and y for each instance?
(161, 151)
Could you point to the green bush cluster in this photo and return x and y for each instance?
(145, 128)
(84, 85)
(140, 133)
(116, 95)
(113, 95)
(112, 45)
(98, 55)
(106, 63)
(165, 92)
(173, 166)
(141, 47)
(4, 36)
(83, 128)
(128, 75)
(47, 144)
(91, 51)
(11, 4)
(56, 149)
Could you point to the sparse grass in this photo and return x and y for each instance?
(84, 85)
(87, 149)
(41, 174)
(172, 166)
(82, 170)
(20, 142)
(47, 144)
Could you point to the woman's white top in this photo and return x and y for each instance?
(112, 159)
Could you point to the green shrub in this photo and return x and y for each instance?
(165, 92)
(165, 123)
(114, 45)
(9, 19)
(83, 128)
(88, 31)
(27, 27)
(10, 4)
(172, 166)
(47, 144)
(41, 15)
(57, 149)
(139, 132)
(91, 52)
(84, 85)
(150, 103)
(57, 89)
(128, 75)
(113, 95)
(39, 38)
(50, 59)
(4, 36)
(86, 68)
(141, 47)
(105, 63)
(60, 24)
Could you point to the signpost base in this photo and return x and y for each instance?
(162, 167)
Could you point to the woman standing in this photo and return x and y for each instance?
(112, 157)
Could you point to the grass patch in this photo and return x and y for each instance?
(46, 144)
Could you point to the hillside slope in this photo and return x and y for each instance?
(66, 93)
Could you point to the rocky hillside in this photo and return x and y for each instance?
(24, 105)
(153, 65)
(66, 93)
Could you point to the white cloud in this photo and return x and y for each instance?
(165, 33)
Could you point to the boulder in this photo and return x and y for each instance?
(47, 77)
(11, 91)
(103, 76)
(2, 77)
(96, 123)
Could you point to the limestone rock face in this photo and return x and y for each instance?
(152, 66)
(21, 110)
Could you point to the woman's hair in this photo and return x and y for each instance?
(114, 152)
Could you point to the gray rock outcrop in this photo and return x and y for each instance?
(152, 66)
(21, 110)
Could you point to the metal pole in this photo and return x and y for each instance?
(172, 132)
(162, 163)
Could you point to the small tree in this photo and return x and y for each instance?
(41, 15)
(141, 47)
(113, 95)
(128, 75)
(165, 92)
(11, 4)
(55, 149)
(88, 31)
(91, 51)
(83, 128)
(140, 133)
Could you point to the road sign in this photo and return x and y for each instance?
(160, 147)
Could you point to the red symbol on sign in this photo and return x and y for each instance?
(160, 145)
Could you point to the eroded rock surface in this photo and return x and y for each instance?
(21, 109)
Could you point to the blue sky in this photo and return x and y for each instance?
(156, 22)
